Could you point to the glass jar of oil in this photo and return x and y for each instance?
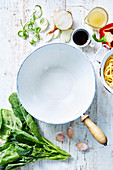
(97, 18)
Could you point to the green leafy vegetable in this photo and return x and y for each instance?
(25, 117)
(0, 119)
(12, 129)
(103, 39)
(10, 121)
(21, 162)
(16, 105)
(9, 154)
(13, 151)
(24, 137)
(30, 145)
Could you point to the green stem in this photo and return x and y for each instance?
(56, 148)
(103, 39)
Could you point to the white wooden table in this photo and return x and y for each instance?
(13, 50)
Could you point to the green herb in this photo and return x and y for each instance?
(24, 142)
(103, 39)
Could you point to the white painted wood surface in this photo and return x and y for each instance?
(13, 50)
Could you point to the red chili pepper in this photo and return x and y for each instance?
(106, 35)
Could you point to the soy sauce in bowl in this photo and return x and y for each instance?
(80, 37)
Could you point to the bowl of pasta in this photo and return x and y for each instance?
(106, 71)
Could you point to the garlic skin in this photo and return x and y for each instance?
(70, 132)
(82, 146)
(60, 137)
(66, 35)
(63, 19)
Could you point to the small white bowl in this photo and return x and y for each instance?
(88, 42)
(56, 83)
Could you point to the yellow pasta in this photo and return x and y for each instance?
(108, 71)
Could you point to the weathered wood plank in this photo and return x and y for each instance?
(14, 50)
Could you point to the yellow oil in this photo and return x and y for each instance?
(96, 18)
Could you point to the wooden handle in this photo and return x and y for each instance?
(97, 133)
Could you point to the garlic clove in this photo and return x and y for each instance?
(60, 137)
(66, 35)
(63, 19)
(70, 132)
(82, 146)
(48, 37)
(56, 34)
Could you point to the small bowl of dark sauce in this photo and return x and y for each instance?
(81, 37)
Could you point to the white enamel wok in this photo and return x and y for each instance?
(56, 84)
